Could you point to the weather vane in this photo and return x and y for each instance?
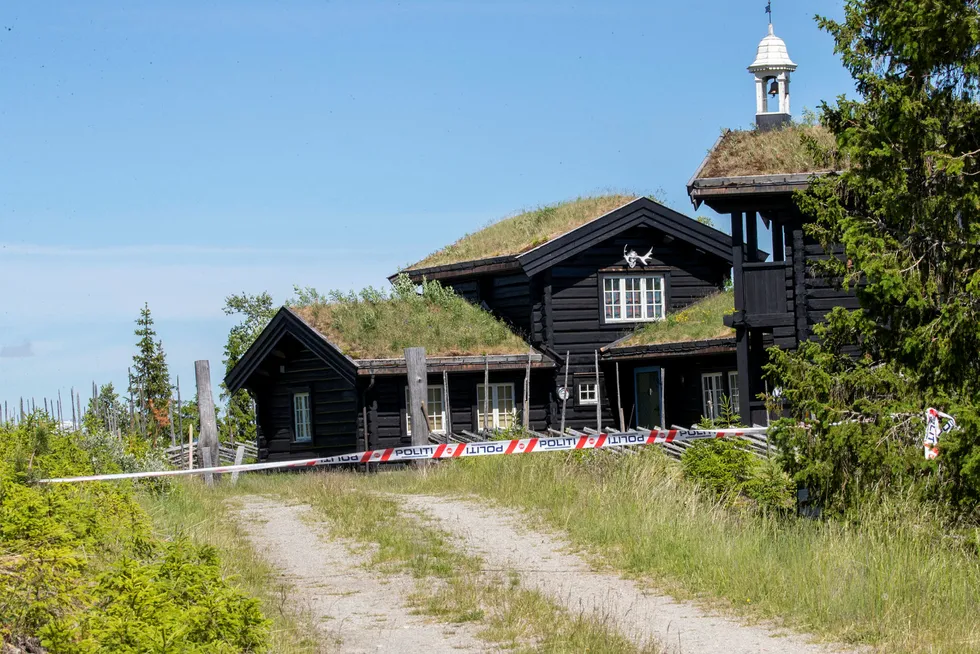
(769, 10)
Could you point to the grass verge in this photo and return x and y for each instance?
(893, 581)
(187, 507)
(452, 585)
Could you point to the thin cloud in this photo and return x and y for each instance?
(22, 351)
(34, 249)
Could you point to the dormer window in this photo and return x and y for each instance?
(633, 298)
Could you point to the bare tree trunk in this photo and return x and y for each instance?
(486, 392)
(598, 399)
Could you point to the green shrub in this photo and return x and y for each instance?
(728, 469)
(81, 568)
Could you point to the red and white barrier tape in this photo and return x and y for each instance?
(452, 451)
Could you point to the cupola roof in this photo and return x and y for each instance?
(772, 55)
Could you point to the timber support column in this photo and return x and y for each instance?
(741, 331)
(417, 394)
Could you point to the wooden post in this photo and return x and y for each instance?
(78, 402)
(486, 392)
(170, 419)
(527, 391)
(208, 437)
(598, 399)
(180, 411)
(190, 447)
(207, 462)
(21, 409)
(74, 421)
(446, 404)
(565, 386)
(619, 399)
(417, 393)
(239, 457)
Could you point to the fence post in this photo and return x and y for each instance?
(208, 437)
(566, 393)
(190, 447)
(239, 457)
(417, 394)
(598, 400)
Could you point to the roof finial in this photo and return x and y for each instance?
(769, 11)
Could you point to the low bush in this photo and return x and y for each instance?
(727, 468)
(81, 570)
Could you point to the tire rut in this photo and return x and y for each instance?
(363, 611)
(543, 563)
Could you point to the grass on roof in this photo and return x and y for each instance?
(700, 321)
(376, 324)
(797, 148)
(526, 230)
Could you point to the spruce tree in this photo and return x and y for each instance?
(907, 213)
(150, 382)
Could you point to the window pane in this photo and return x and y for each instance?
(435, 409)
(633, 297)
(733, 389)
(301, 417)
(611, 298)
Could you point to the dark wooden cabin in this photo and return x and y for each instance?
(577, 293)
(777, 302)
(313, 400)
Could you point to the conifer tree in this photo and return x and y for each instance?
(907, 213)
(150, 382)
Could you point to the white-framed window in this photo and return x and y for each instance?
(302, 432)
(503, 412)
(587, 393)
(633, 298)
(713, 389)
(733, 389)
(435, 410)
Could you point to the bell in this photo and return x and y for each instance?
(774, 88)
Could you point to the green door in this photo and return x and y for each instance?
(649, 398)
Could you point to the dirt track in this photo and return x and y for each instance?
(544, 564)
(358, 610)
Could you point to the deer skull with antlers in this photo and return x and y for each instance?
(632, 257)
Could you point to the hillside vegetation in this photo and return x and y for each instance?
(81, 569)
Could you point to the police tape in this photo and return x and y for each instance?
(451, 451)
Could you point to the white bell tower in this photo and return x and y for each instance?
(771, 68)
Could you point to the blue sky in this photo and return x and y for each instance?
(174, 153)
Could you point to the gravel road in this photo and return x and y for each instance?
(544, 563)
(362, 611)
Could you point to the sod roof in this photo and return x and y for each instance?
(787, 150)
(701, 321)
(379, 325)
(524, 231)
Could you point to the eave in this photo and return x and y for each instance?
(504, 263)
(469, 363)
(725, 345)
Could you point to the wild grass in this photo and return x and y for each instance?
(526, 230)
(895, 580)
(188, 508)
(376, 324)
(702, 320)
(452, 585)
(786, 150)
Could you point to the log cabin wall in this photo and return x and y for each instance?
(387, 422)
(333, 406)
(568, 311)
(683, 398)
